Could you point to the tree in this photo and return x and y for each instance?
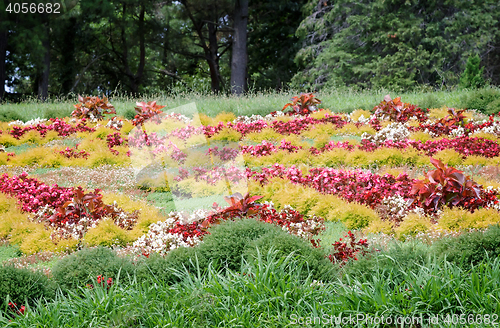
(120, 31)
(472, 77)
(239, 51)
(392, 44)
(43, 70)
(204, 33)
(272, 44)
(3, 53)
(28, 46)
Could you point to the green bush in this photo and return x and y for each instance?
(493, 107)
(472, 77)
(18, 285)
(227, 241)
(470, 248)
(9, 251)
(284, 243)
(82, 267)
(481, 99)
(10, 115)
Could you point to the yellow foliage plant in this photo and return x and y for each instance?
(455, 219)
(227, 134)
(106, 233)
(355, 115)
(147, 214)
(225, 117)
(267, 134)
(379, 226)
(411, 225)
(449, 157)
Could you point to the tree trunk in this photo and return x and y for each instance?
(239, 51)
(135, 79)
(212, 58)
(43, 82)
(142, 53)
(3, 55)
(68, 56)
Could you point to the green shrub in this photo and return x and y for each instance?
(472, 77)
(227, 241)
(284, 243)
(470, 247)
(481, 99)
(82, 267)
(493, 107)
(10, 115)
(18, 285)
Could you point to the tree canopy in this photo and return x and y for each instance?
(395, 44)
(149, 46)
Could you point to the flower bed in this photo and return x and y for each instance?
(308, 147)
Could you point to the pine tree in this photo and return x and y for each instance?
(472, 77)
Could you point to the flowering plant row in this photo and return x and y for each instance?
(183, 230)
(62, 128)
(373, 190)
(70, 211)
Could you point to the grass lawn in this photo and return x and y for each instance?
(260, 103)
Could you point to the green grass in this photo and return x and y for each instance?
(271, 293)
(333, 232)
(8, 251)
(167, 204)
(258, 103)
(21, 148)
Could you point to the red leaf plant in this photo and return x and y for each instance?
(343, 251)
(303, 104)
(93, 108)
(91, 207)
(239, 206)
(242, 205)
(447, 186)
(397, 111)
(146, 111)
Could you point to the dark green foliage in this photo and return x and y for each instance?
(19, 285)
(10, 115)
(57, 113)
(227, 241)
(472, 77)
(284, 243)
(158, 268)
(481, 99)
(471, 247)
(82, 267)
(272, 43)
(395, 45)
